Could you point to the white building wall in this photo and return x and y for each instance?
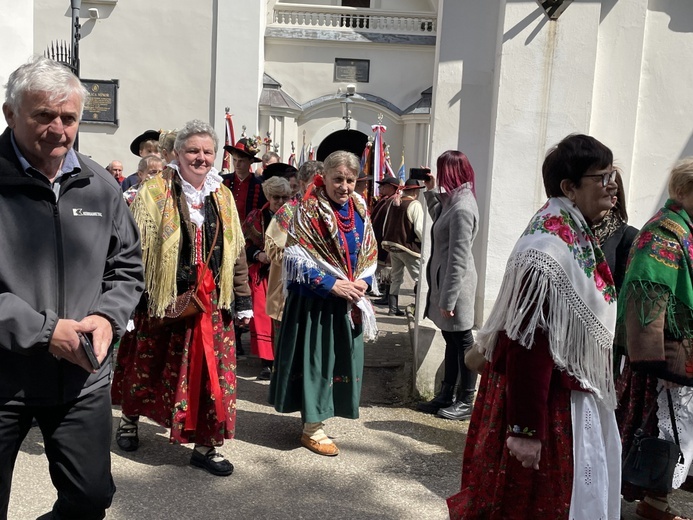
(305, 68)
(16, 40)
(664, 130)
(161, 56)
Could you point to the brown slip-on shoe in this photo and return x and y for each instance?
(329, 449)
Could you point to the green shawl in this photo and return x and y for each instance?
(659, 277)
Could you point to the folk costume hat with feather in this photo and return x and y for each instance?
(245, 147)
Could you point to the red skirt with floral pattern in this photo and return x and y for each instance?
(496, 486)
(152, 374)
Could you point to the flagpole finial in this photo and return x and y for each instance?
(227, 109)
(380, 118)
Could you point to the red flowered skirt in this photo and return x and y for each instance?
(496, 486)
(637, 394)
(261, 344)
(152, 374)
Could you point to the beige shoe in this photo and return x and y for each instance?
(328, 449)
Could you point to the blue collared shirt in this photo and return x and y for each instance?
(69, 167)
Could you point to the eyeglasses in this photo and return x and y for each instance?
(606, 177)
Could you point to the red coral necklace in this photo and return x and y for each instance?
(348, 223)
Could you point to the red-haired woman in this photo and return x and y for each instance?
(452, 279)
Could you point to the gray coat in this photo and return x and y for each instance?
(451, 272)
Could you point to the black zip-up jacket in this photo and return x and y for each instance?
(69, 258)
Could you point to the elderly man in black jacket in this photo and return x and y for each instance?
(70, 268)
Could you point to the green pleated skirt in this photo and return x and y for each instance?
(319, 360)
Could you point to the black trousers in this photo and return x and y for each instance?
(77, 438)
(456, 344)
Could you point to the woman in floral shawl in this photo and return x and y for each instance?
(329, 260)
(658, 320)
(543, 441)
(183, 375)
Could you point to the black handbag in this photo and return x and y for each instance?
(651, 461)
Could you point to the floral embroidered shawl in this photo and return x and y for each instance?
(557, 280)
(660, 269)
(313, 243)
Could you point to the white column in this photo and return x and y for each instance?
(463, 114)
(239, 64)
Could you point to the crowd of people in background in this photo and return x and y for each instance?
(586, 349)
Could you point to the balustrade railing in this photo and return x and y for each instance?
(347, 18)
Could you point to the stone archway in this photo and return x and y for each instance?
(350, 140)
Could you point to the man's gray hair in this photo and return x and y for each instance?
(195, 127)
(42, 74)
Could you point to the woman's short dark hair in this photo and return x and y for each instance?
(572, 158)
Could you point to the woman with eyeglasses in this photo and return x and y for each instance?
(278, 192)
(543, 441)
(657, 317)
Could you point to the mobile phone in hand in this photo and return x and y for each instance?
(420, 174)
(88, 348)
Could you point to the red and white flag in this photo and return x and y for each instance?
(229, 140)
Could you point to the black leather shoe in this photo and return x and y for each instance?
(458, 411)
(443, 399)
(265, 374)
(213, 462)
(127, 438)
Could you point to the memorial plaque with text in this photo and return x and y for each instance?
(354, 71)
(102, 103)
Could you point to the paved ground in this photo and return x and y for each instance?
(395, 463)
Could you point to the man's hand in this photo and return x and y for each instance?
(65, 344)
(101, 331)
(527, 451)
(350, 291)
(430, 182)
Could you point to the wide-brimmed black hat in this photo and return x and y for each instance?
(148, 135)
(363, 177)
(412, 184)
(389, 180)
(245, 147)
(278, 169)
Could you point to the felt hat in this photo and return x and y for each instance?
(363, 177)
(412, 184)
(245, 147)
(148, 135)
(278, 170)
(390, 180)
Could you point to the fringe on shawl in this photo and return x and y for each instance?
(536, 294)
(233, 246)
(295, 268)
(160, 271)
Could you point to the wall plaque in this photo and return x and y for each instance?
(101, 105)
(354, 71)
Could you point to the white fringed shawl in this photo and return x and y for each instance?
(557, 280)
